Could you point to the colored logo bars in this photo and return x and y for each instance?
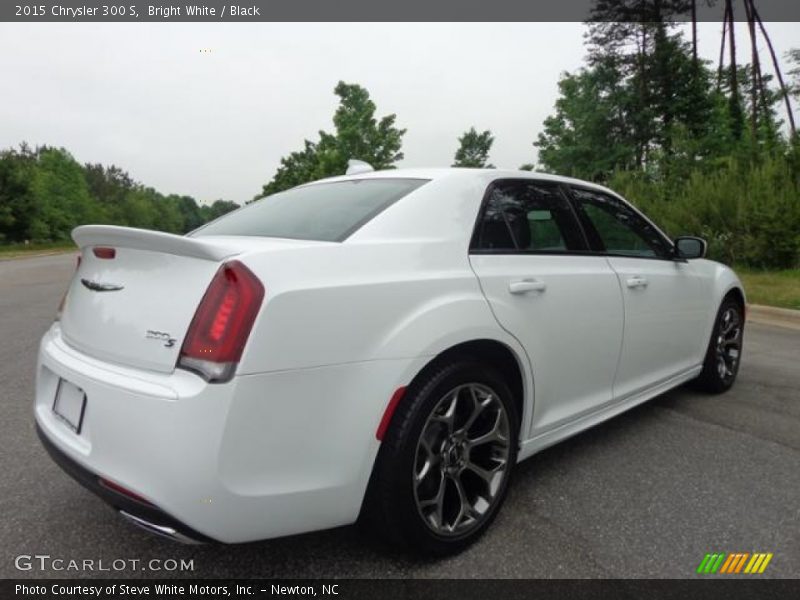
(735, 563)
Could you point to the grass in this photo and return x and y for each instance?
(34, 249)
(773, 288)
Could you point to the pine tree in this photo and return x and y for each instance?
(473, 149)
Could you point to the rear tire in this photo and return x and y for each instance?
(444, 466)
(724, 352)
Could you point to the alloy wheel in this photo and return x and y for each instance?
(461, 459)
(728, 343)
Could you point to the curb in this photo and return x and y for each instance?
(770, 315)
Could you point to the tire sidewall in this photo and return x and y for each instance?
(421, 402)
(710, 375)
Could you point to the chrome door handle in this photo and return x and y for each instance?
(636, 282)
(524, 286)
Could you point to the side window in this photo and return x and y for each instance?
(618, 229)
(529, 216)
(494, 229)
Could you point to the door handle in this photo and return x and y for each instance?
(636, 282)
(524, 286)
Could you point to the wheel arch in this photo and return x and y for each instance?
(511, 361)
(724, 284)
(492, 352)
(737, 294)
(461, 325)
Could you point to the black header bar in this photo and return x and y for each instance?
(363, 10)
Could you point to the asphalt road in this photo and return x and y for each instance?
(647, 494)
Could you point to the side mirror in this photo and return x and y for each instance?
(687, 247)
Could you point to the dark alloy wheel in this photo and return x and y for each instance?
(462, 458)
(445, 464)
(724, 349)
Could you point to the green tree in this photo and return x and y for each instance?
(295, 169)
(657, 83)
(793, 58)
(644, 102)
(217, 209)
(16, 201)
(45, 193)
(108, 185)
(473, 149)
(700, 156)
(190, 213)
(60, 197)
(589, 135)
(357, 134)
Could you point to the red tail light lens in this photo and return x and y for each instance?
(115, 487)
(106, 253)
(222, 323)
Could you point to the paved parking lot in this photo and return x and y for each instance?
(644, 495)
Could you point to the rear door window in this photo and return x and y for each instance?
(527, 216)
(324, 211)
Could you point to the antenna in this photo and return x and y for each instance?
(354, 167)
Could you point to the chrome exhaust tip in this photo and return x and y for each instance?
(159, 530)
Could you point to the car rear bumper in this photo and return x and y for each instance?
(262, 456)
(140, 513)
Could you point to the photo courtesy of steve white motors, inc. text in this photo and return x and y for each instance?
(168, 589)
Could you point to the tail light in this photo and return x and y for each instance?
(104, 253)
(222, 323)
(115, 487)
(63, 302)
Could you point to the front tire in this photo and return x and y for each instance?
(445, 464)
(724, 352)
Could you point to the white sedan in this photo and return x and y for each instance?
(384, 346)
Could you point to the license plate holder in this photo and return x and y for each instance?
(69, 405)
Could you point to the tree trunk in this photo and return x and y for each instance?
(640, 135)
(758, 73)
(722, 47)
(751, 27)
(694, 35)
(736, 107)
(778, 73)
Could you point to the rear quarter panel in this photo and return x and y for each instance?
(400, 288)
(362, 302)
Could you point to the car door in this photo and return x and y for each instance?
(665, 306)
(563, 304)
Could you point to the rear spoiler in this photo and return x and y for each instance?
(155, 241)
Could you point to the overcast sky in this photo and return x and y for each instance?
(215, 124)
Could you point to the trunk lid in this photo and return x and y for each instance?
(134, 309)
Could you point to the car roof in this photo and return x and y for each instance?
(453, 173)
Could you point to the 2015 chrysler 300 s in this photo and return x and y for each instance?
(385, 345)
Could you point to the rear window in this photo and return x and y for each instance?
(327, 212)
